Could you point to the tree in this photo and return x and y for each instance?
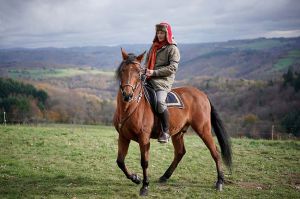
(288, 78)
(291, 122)
(41, 96)
(250, 119)
(297, 82)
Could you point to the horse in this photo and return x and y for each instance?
(134, 120)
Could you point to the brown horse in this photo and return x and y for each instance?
(134, 120)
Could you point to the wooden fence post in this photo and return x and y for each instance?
(4, 118)
(272, 132)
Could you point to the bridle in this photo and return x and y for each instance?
(134, 87)
(137, 98)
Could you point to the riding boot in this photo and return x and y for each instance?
(164, 120)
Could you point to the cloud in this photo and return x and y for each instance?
(287, 33)
(64, 23)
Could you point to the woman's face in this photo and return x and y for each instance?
(161, 35)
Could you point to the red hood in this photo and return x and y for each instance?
(164, 26)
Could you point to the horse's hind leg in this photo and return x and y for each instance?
(123, 145)
(206, 136)
(179, 152)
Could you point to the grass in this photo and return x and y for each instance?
(261, 44)
(69, 161)
(45, 73)
(284, 63)
(291, 58)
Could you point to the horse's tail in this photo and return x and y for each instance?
(222, 136)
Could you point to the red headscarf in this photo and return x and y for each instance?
(164, 26)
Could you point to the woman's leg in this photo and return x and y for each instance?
(163, 115)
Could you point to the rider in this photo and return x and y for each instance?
(162, 63)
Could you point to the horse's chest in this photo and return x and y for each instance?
(130, 129)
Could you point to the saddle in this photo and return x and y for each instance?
(172, 100)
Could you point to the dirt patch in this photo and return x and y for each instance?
(294, 180)
(248, 185)
(253, 185)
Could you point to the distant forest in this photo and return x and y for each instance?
(249, 108)
(255, 108)
(21, 102)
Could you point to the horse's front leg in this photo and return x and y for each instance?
(123, 145)
(144, 148)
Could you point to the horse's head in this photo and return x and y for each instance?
(129, 74)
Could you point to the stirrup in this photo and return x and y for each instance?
(164, 138)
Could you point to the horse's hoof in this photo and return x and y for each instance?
(162, 179)
(219, 186)
(144, 191)
(136, 179)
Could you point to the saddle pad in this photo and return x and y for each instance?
(173, 100)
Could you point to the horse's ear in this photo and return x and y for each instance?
(124, 54)
(140, 57)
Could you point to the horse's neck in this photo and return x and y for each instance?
(135, 114)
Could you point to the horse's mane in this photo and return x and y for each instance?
(131, 58)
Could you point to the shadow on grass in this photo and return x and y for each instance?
(60, 186)
(67, 186)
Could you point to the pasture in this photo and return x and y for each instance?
(74, 161)
(45, 73)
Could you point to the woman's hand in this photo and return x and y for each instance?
(149, 72)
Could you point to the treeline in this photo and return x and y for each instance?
(24, 103)
(81, 99)
(71, 106)
(253, 108)
(21, 102)
(291, 121)
(292, 79)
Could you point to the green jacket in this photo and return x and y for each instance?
(166, 65)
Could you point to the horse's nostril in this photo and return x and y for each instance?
(127, 98)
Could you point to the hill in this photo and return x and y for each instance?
(252, 59)
(101, 57)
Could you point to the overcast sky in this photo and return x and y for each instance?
(66, 23)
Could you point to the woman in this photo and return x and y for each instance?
(162, 63)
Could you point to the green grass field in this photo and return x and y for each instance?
(69, 161)
(261, 44)
(291, 58)
(39, 74)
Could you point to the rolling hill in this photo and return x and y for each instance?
(251, 59)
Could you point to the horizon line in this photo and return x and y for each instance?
(124, 44)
